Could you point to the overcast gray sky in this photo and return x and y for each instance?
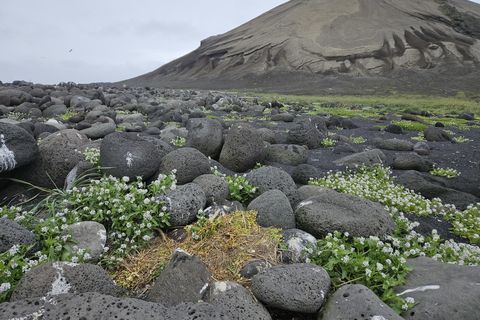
(110, 40)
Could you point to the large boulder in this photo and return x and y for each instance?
(235, 301)
(129, 154)
(431, 188)
(189, 163)
(205, 135)
(195, 311)
(393, 144)
(54, 110)
(442, 291)
(411, 161)
(273, 210)
(60, 152)
(14, 97)
(296, 287)
(243, 148)
(305, 133)
(272, 178)
(289, 154)
(99, 129)
(61, 277)
(367, 158)
(184, 203)
(215, 188)
(89, 305)
(303, 173)
(355, 301)
(330, 211)
(436, 134)
(17, 147)
(183, 280)
(11, 233)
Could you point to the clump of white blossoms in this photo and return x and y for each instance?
(381, 264)
(131, 211)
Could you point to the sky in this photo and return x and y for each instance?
(52, 41)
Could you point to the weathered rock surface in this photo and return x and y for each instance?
(273, 210)
(442, 291)
(330, 211)
(205, 135)
(286, 154)
(184, 203)
(11, 233)
(235, 301)
(356, 301)
(367, 158)
(189, 163)
(214, 187)
(296, 287)
(272, 178)
(90, 236)
(56, 278)
(59, 153)
(129, 154)
(242, 150)
(184, 279)
(17, 147)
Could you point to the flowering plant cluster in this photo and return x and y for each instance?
(344, 257)
(328, 142)
(357, 140)
(445, 172)
(130, 211)
(369, 261)
(461, 139)
(179, 141)
(239, 187)
(92, 155)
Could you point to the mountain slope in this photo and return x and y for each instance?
(336, 39)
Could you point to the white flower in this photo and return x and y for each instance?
(5, 287)
(410, 300)
(13, 250)
(345, 259)
(368, 272)
(125, 179)
(365, 263)
(379, 266)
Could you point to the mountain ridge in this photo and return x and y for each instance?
(347, 38)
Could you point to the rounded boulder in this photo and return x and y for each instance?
(296, 287)
(189, 163)
(17, 147)
(243, 148)
(129, 154)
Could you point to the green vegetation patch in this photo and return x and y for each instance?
(381, 263)
(225, 244)
(130, 211)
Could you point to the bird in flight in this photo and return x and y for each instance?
(70, 50)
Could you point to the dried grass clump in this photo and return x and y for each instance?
(225, 244)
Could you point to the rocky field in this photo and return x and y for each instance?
(142, 203)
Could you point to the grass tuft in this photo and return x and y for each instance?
(225, 244)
